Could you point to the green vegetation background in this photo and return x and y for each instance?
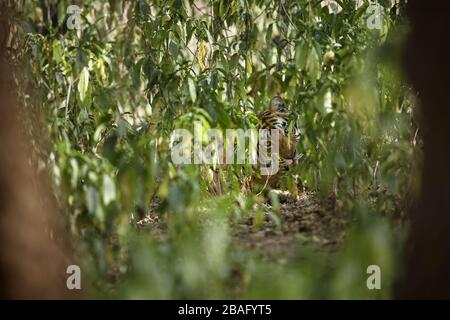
(112, 92)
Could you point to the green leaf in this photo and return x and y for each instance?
(269, 34)
(173, 49)
(301, 55)
(93, 202)
(57, 51)
(83, 84)
(313, 66)
(91, 199)
(192, 90)
(109, 189)
(75, 172)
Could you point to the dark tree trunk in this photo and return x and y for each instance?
(32, 265)
(427, 62)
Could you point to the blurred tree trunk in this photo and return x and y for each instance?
(427, 62)
(32, 264)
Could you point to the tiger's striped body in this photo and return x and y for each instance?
(277, 118)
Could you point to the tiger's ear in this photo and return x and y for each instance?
(280, 94)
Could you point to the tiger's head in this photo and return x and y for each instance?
(277, 104)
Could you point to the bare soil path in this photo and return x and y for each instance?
(305, 219)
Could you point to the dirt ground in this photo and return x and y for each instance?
(305, 218)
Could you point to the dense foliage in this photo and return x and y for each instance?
(111, 93)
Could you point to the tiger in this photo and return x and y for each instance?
(276, 117)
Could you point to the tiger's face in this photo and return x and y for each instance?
(277, 104)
